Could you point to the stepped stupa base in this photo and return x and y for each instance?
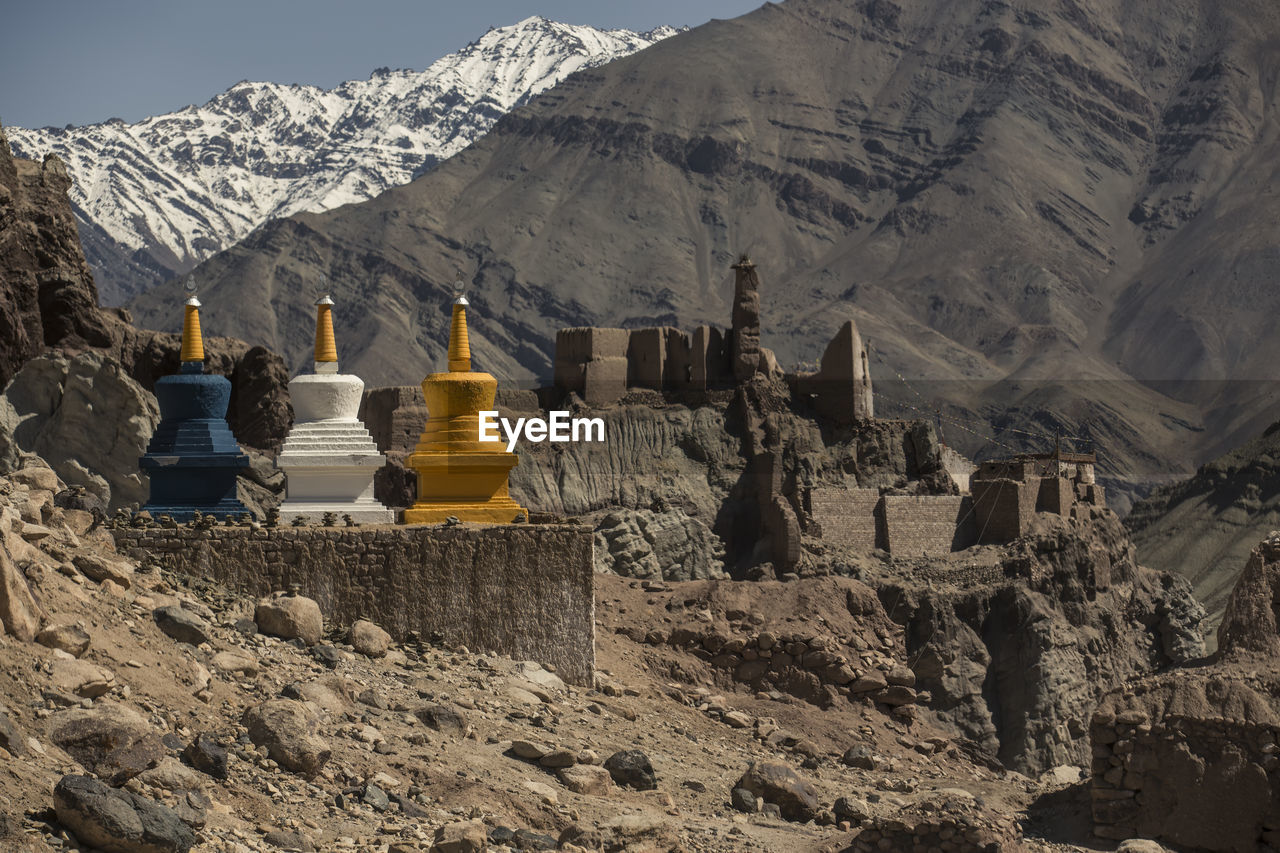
(361, 513)
(496, 511)
(230, 508)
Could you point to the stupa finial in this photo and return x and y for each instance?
(192, 343)
(459, 346)
(326, 345)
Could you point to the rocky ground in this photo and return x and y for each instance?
(148, 712)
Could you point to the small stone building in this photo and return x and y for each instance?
(1007, 493)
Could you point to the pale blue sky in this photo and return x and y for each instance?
(84, 61)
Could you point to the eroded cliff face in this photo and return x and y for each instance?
(680, 492)
(1017, 645)
(47, 295)
(48, 301)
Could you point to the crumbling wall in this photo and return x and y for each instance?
(913, 525)
(1201, 781)
(593, 362)
(841, 388)
(518, 590)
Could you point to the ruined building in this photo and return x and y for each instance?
(958, 507)
(601, 364)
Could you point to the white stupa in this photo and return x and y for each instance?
(329, 458)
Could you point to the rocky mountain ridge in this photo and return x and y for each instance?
(155, 197)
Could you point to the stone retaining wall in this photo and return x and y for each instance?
(519, 590)
(815, 668)
(967, 833)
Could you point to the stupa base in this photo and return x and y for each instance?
(496, 511)
(361, 513)
(186, 512)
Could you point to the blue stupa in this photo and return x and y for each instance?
(193, 458)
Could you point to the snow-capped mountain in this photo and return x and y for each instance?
(156, 197)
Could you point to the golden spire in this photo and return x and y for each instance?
(459, 347)
(192, 344)
(326, 346)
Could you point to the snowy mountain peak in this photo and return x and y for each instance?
(158, 196)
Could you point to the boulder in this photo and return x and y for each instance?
(10, 737)
(368, 639)
(172, 775)
(871, 680)
(536, 674)
(20, 613)
(586, 779)
(531, 750)
(851, 809)
(111, 741)
(207, 755)
(631, 768)
(557, 758)
(82, 678)
(860, 757)
(466, 836)
(777, 783)
(181, 624)
(288, 731)
(118, 821)
(72, 639)
(53, 408)
(99, 568)
(235, 663)
(443, 718)
(743, 800)
(287, 839)
(291, 617)
(37, 477)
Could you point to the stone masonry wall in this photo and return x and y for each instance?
(519, 590)
(928, 525)
(847, 518)
(911, 525)
(1209, 783)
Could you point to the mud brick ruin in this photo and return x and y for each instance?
(601, 364)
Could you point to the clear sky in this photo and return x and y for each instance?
(84, 61)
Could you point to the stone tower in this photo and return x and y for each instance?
(745, 350)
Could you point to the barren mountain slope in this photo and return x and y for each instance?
(1048, 191)
(1205, 527)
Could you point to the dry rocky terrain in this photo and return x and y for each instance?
(122, 685)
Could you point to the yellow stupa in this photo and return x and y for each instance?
(459, 475)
